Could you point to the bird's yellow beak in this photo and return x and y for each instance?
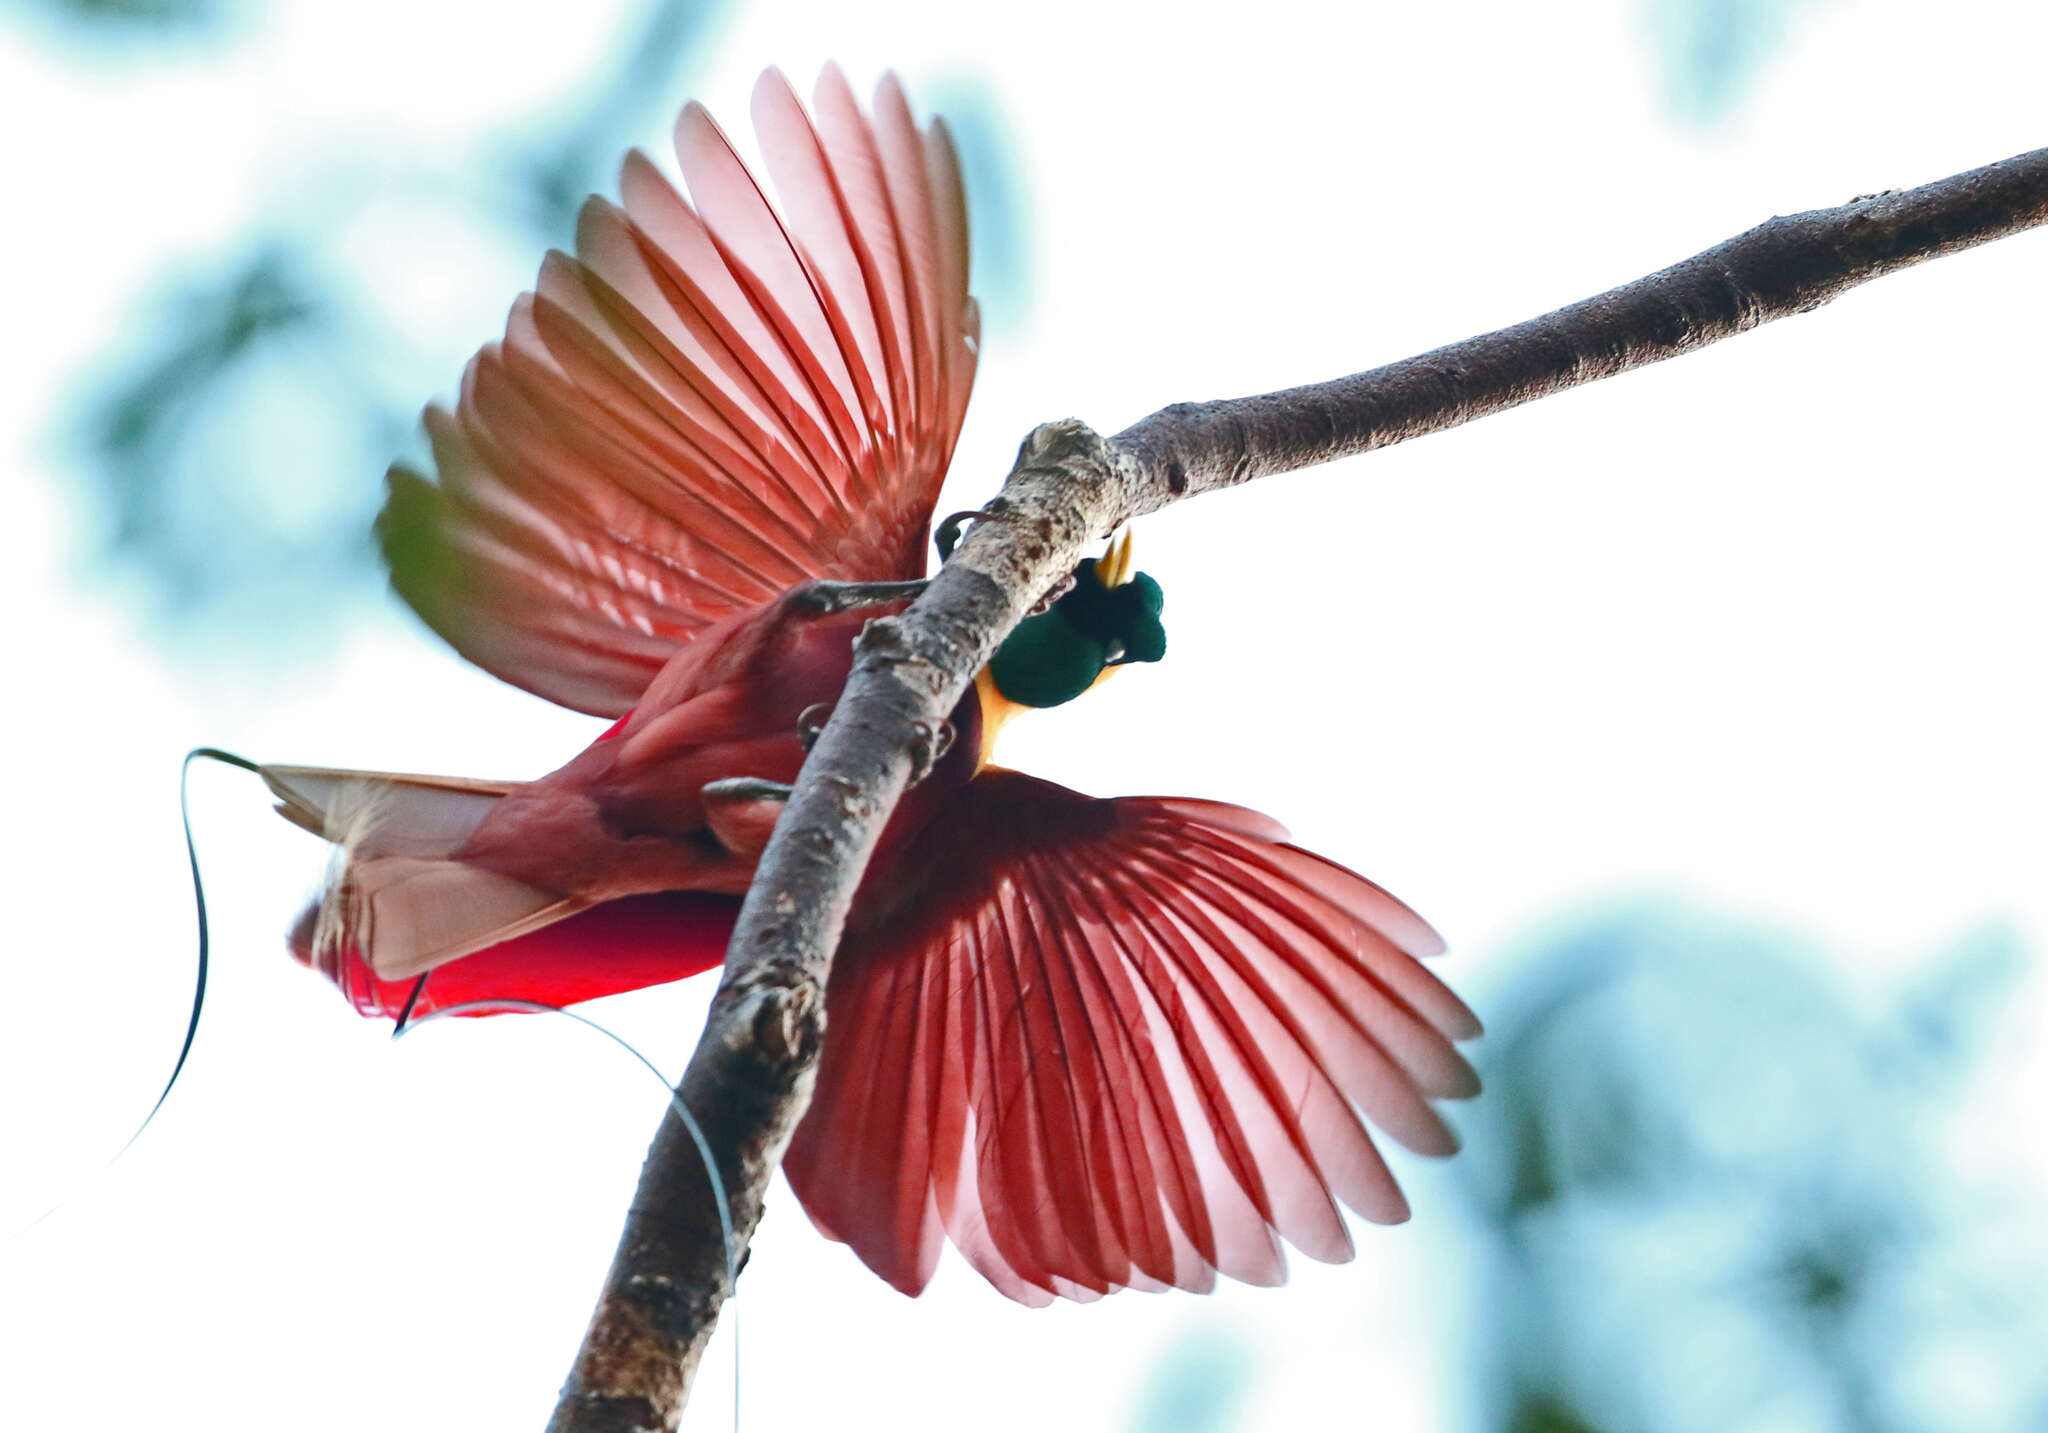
(1114, 569)
(1115, 566)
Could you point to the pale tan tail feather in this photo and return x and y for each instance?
(413, 815)
(407, 915)
(391, 891)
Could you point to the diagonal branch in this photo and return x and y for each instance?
(750, 1077)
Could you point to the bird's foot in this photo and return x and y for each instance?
(934, 740)
(946, 536)
(742, 811)
(1052, 595)
(823, 598)
(811, 720)
(746, 788)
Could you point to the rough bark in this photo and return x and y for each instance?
(751, 1075)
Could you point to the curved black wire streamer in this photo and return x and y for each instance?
(407, 1022)
(226, 758)
(208, 753)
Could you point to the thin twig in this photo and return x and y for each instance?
(750, 1078)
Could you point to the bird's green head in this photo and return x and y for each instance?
(1108, 618)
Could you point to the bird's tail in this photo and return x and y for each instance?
(399, 905)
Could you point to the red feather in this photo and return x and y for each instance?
(698, 412)
(626, 944)
(1109, 1044)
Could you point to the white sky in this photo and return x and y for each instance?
(1759, 629)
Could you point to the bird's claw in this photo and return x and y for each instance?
(946, 536)
(933, 740)
(1052, 594)
(747, 788)
(810, 721)
(822, 597)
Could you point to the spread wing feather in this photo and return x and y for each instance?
(708, 404)
(1120, 1044)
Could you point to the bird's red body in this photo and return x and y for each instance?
(1094, 1044)
(624, 830)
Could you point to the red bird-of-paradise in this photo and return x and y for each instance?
(1096, 1044)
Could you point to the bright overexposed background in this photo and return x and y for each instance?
(1730, 667)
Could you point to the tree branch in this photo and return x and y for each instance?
(750, 1077)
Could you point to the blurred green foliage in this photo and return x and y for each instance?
(1199, 1387)
(998, 213)
(162, 16)
(558, 170)
(237, 435)
(217, 445)
(1713, 1194)
(1713, 51)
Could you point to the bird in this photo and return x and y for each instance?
(1092, 1044)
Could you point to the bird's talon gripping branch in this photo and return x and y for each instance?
(746, 788)
(823, 597)
(741, 812)
(811, 721)
(934, 740)
(1052, 595)
(946, 536)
